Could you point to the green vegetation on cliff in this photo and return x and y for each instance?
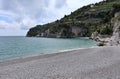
(82, 22)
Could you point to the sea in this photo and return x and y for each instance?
(12, 47)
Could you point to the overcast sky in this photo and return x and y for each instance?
(17, 16)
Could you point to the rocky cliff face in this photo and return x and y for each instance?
(115, 38)
(63, 32)
(116, 29)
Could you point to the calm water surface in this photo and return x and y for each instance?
(14, 47)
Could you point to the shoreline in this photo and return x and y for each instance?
(33, 49)
(90, 63)
(40, 56)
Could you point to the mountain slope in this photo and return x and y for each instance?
(82, 22)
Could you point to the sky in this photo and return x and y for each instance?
(18, 16)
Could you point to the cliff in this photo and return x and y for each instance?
(116, 29)
(113, 39)
(82, 22)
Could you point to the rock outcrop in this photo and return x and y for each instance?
(95, 36)
(115, 38)
(116, 28)
(72, 31)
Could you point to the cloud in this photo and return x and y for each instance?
(27, 23)
(60, 3)
(5, 25)
(23, 11)
(2, 25)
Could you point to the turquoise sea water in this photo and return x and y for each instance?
(15, 47)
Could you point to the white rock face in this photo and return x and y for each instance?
(116, 29)
(94, 35)
(114, 40)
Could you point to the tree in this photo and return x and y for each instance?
(116, 7)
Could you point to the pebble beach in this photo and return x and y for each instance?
(89, 63)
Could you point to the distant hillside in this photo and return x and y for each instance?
(82, 22)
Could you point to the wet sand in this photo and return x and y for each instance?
(90, 63)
